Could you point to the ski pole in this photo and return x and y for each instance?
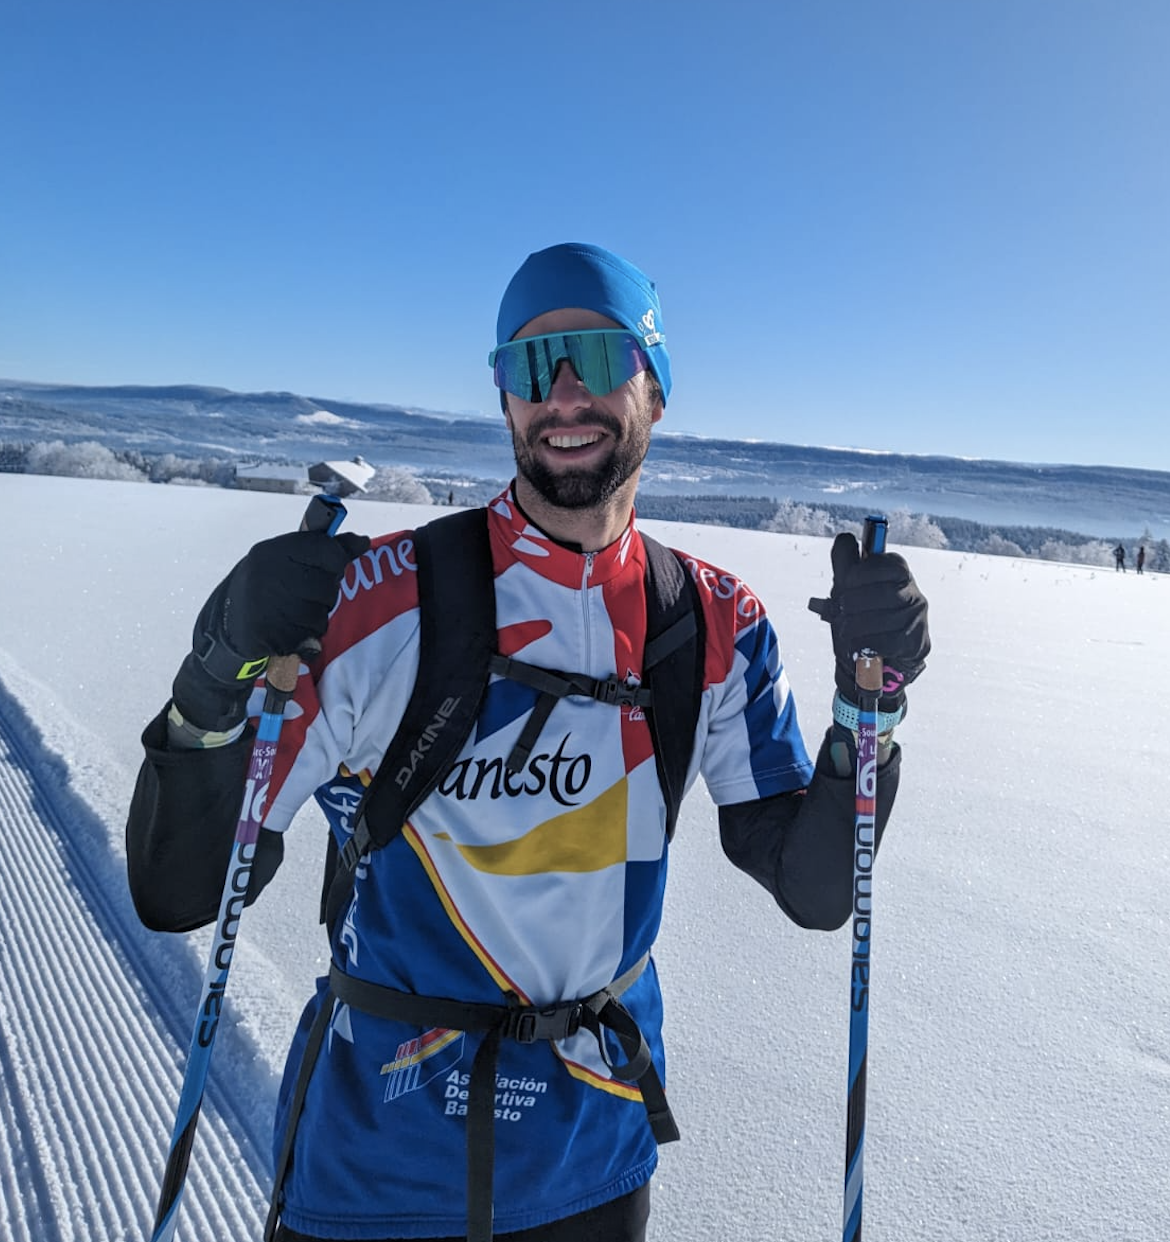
(867, 672)
(324, 513)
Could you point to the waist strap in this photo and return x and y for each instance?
(524, 1023)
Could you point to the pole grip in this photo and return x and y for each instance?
(868, 673)
(873, 535)
(324, 512)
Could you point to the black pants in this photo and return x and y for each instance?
(620, 1220)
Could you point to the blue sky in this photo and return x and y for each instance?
(893, 224)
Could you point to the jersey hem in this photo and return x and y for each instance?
(347, 1229)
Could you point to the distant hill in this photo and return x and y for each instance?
(190, 420)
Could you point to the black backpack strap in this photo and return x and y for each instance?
(457, 639)
(673, 666)
(551, 685)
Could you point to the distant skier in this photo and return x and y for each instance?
(1119, 557)
(1141, 558)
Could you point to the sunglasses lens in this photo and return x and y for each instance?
(603, 361)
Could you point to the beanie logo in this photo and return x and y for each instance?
(650, 335)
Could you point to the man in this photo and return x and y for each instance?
(520, 891)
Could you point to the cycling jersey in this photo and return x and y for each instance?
(546, 883)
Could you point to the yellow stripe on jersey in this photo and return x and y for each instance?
(473, 942)
(590, 838)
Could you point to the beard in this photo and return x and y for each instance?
(584, 487)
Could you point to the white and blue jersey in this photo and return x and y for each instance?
(546, 883)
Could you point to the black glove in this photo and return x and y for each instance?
(876, 604)
(276, 601)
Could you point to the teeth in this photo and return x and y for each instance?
(566, 442)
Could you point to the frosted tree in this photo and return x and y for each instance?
(793, 518)
(395, 484)
(85, 460)
(1094, 552)
(915, 530)
(996, 545)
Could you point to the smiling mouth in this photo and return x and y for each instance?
(573, 441)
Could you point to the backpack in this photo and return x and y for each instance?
(457, 656)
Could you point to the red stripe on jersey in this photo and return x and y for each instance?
(514, 638)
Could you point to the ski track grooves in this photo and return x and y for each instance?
(90, 1071)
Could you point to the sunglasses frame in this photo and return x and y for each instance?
(535, 395)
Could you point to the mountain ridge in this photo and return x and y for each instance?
(195, 419)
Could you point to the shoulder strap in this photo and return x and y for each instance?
(457, 644)
(457, 638)
(673, 668)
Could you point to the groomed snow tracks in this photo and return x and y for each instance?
(91, 1051)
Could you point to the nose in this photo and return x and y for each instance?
(567, 391)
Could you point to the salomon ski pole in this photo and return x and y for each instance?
(867, 673)
(324, 513)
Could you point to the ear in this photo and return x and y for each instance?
(657, 406)
(504, 407)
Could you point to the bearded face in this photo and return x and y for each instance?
(583, 462)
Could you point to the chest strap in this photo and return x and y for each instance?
(552, 685)
(525, 1024)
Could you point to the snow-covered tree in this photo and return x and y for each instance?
(996, 545)
(394, 483)
(85, 460)
(1094, 552)
(793, 518)
(915, 530)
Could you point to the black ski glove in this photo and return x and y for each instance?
(276, 601)
(876, 604)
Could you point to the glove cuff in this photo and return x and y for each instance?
(228, 667)
(183, 735)
(205, 702)
(847, 714)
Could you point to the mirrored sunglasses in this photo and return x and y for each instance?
(603, 359)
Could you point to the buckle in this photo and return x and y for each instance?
(350, 854)
(618, 693)
(523, 1026)
(527, 1025)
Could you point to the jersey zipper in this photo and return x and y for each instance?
(586, 574)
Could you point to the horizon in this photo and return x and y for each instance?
(935, 228)
(659, 429)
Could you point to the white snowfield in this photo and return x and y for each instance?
(1019, 1069)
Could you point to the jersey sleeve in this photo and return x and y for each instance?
(349, 700)
(750, 739)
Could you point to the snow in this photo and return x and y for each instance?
(325, 418)
(1019, 1069)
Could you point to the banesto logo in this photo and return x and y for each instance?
(425, 740)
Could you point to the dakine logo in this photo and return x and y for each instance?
(425, 740)
(650, 334)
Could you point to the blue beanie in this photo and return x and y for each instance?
(577, 274)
